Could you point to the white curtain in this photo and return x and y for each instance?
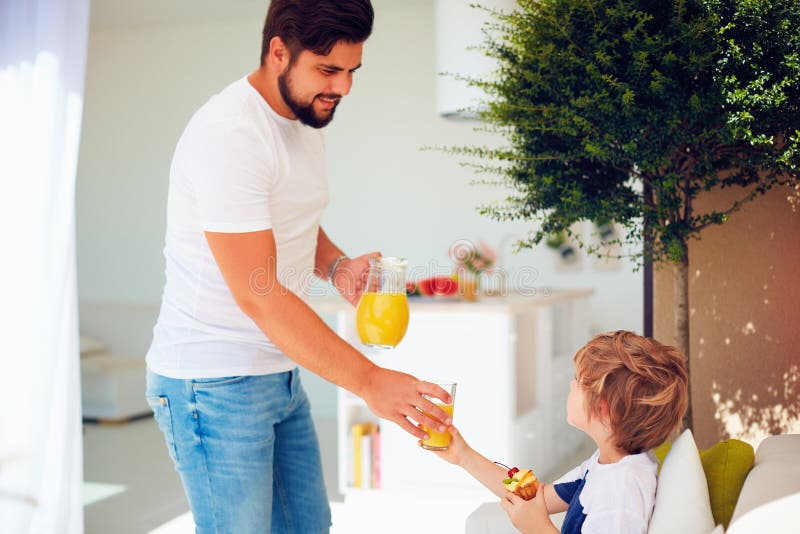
(42, 68)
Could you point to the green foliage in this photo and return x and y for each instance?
(626, 110)
(555, 241)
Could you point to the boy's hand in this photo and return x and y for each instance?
(528, 516)
(458, 450)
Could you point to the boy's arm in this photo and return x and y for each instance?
(485, 471)
(489, 473)
(481, 468)
(530, 517)
(492, 475)
(554, 503)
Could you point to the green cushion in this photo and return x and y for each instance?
(726, 465)
(661, 453)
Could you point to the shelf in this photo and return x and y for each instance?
(512, 303)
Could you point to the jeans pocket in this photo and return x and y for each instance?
(203, 383)
(163, 415)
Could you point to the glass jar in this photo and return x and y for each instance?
(382, 313)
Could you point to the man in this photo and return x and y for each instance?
(247, 189)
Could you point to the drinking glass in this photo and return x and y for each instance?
(440, 441)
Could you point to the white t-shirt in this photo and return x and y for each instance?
(613, 498)
(238, 167)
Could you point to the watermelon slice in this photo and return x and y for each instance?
(438, 286)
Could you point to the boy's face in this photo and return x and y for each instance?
(577, 415)
(313, 84)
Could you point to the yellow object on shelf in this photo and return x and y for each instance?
(468, 286)
(359, 454)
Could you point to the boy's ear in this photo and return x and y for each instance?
(603, 409)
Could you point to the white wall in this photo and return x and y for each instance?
(143, 84)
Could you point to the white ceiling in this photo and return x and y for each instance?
(109, 15)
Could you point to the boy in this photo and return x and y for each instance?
(629, 394)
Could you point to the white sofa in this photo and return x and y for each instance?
(768, 503)
(770, 498)
(114, 340)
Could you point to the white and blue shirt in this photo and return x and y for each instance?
(613, 498)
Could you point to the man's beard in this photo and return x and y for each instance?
(304, 112)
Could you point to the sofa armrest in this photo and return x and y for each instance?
(779, 515)
(490, 518)
(776, 473)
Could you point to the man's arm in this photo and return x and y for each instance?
(248, 263)
(326, 253)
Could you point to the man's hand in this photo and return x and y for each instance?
(398, 397)
(528, 516)
(350, 277)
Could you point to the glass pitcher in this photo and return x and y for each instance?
(382, 313)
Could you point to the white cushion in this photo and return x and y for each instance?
(779, 515)
(682, 503)
(776, 473)
(91, 346)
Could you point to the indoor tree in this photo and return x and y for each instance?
(627, 110)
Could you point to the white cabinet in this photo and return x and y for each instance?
(512, 360)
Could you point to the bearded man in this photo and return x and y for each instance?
(247, 189)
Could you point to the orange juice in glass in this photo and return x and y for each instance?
(468, 285)
(382, 313)
(440, 441)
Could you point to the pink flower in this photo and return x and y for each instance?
(487, 252)
(473, 258)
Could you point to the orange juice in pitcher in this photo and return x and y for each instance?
(382, 313)
(382, 319)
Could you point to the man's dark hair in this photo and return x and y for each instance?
(316, 25)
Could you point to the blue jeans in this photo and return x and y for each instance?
(246, 450)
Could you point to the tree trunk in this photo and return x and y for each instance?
(682, 321)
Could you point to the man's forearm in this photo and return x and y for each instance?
(300, 334)
(325, 254)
